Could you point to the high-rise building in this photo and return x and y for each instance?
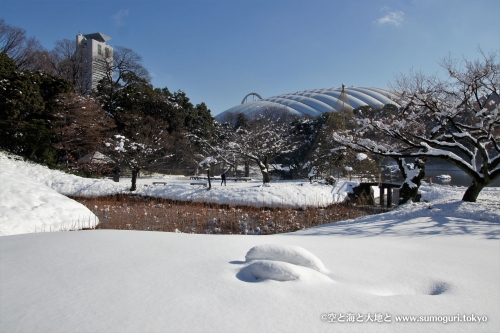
(96, 57)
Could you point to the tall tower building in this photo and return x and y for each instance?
(96, 57)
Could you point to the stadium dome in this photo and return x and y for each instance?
(312, 103)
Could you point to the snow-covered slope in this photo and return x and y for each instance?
(59, 181)
(29, 206)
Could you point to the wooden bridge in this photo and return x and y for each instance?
(383, 187)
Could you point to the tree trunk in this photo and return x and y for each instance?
(135, 172)
(235, 171)
(208, 176)
(413, 179)
(473, 191)
(266, 179)
(264, 169)
(247, 169)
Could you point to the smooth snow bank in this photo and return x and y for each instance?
(290, 254)
(27, 206)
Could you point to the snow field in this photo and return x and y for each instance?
(130, 281)
(435, 258)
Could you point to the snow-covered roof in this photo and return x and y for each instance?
(95, 157)
(317, 101)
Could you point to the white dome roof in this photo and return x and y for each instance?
(312, 103)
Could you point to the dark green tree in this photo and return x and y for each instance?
(28, 103)
(200, 121)
(241, 121)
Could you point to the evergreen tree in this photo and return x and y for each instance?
(28, 102)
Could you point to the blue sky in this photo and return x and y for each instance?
(219, 51)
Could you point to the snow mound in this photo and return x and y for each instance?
(295, 255)
(28, 206)
(282, 271)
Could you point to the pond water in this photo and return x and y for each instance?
(458, 177)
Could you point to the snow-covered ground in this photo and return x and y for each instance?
(438, 259)
(38, 216)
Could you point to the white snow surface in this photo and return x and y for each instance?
(438, 258)
(280, 194)
(361, 156)
(29, 206)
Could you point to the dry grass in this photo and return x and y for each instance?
(145, 213)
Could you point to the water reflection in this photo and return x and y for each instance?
(458, 177)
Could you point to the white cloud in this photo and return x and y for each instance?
(395, 18)
(118, 17)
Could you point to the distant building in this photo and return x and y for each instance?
(95, 54)
(312, 103)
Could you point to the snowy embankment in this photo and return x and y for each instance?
(20, 178)
(434, 261)
(59, 181)
(29, 206)
(281, 194)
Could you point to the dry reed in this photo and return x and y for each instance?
(145, 213)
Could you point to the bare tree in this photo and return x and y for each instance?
(266, 136)
(122, 68)
(68, 61)
(456, 120)
(23, 50)
(413, 173)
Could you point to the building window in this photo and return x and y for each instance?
(99, 50)
(107, 52)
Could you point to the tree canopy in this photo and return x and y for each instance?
(455, 119)
(28, 103)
